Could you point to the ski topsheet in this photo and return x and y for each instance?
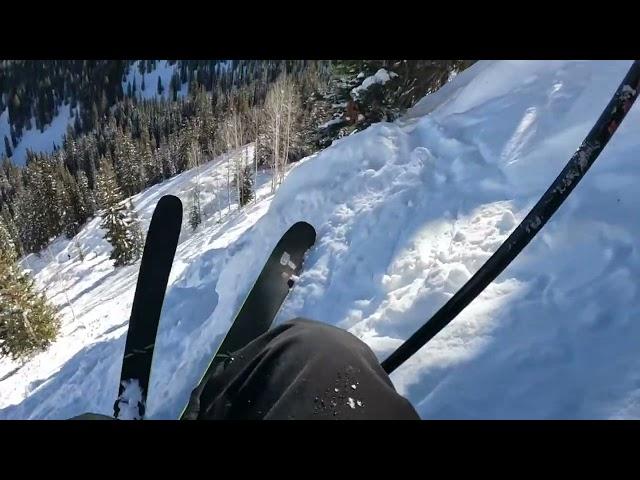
(155, 267)
(262, 304)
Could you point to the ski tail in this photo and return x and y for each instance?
(155, 267)
(557, 193)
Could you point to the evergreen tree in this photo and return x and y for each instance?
(7, 244)
(10, 236)
(86, 194)
(77, 126)
(175, 86)
(160, 88)
(195, 214)
(27, 322)
(127, 164)
(75, 210)
(104, 103)
(117, 220)
(38, 208)
(95, 116)
(151, 171)
(246, 185)
(135, 234)
(107, 191)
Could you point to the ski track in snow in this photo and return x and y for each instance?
(405, 214)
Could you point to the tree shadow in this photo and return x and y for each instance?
(98, 283)
(7, 375)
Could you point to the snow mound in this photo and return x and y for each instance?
(405, 213)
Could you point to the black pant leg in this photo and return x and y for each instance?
(303, 370)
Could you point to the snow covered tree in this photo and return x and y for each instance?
(9, 233)
(6, 242)
(151, 171)
(38, 208)
(27, 322)
(127, 164)
(165, 158)
(87, 195)
(135, 234)
(107, 186)
(122, 231)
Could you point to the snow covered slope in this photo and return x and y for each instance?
(162, 70)
(34, 139)
(405, 213)
(43, 141)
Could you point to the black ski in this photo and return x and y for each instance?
(262, 304)
(157, 258)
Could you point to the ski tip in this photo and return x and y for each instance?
(304, 227)
(170, 199)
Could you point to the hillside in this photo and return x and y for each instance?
(405, 213)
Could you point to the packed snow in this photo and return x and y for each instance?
(405, 213)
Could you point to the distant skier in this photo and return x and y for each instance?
(299, 370)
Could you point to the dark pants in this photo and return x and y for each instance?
(301, 370)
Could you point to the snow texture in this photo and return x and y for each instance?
(405, 213)
(129, 400)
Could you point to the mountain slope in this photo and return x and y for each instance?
(405, 214)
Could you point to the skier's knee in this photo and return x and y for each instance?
(313, 336)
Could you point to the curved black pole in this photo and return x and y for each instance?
(557, 193)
